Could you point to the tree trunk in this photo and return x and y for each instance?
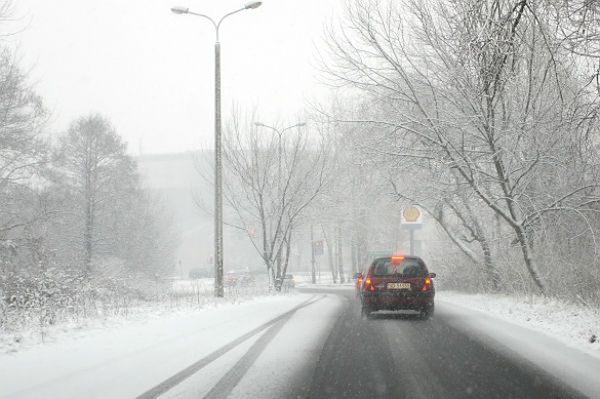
(492, 273)
(89, 227)
(340, 257)
(528, 258)
(288, 248)
(328, 241)
(354, 250)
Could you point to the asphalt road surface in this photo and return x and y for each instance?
(399, 356)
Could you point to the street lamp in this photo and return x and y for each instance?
(280, 132)
(279, 151)
(218, 148)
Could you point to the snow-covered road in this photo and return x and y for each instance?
(130, 360)
(308, 345)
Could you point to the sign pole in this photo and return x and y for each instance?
(411, 219)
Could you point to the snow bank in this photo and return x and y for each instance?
(518, 331)
(571, 324)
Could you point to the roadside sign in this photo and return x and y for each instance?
(411, 215)
(411, 220)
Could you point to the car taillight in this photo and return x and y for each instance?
(426, 285)
(369, 284)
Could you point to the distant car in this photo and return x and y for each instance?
(196, 273)
(398, 283)
(238, 278)
(358, 278)
(288, 281)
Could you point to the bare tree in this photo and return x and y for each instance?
(92, 155)
(24, 154)
(271, 180)
(480, 89)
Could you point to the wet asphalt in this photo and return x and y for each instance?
(392, 355)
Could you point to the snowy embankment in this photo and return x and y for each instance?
(555, 336)
(576, 326)
(128, 357)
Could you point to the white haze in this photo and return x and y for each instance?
(152, 71)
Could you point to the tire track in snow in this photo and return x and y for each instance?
(237, 372)
(176, 379)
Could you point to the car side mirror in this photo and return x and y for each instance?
(431, 275)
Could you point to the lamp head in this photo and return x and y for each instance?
(179, 10)
(253, 4)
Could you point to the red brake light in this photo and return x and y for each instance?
(397, 259)
(369, 284)
(427, 285)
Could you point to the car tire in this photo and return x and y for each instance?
(426, 313)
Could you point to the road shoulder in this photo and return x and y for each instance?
(572, 366)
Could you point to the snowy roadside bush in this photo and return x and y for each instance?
(53, 296)
(39, 302)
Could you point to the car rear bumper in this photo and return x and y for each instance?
(392, 301)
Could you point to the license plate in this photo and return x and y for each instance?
(398, 286)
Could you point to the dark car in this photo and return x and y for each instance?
(398, 283)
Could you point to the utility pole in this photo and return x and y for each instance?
(312, 247)
(219, 292)
(218, 143)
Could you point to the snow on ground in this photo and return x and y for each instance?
(131, 356)
(184, 295)
(343, 287)
(279, 369)
(185, 286)
(124, 357)
(573, 325)
(545, 333)
(304, 280)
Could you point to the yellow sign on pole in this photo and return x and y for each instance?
(411, 215)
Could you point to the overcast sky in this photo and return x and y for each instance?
(151, 72)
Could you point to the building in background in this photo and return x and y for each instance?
(188, 196)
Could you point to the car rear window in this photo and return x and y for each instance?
(408, 267)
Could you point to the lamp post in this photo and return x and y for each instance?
(279, 151)
(218, 147)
